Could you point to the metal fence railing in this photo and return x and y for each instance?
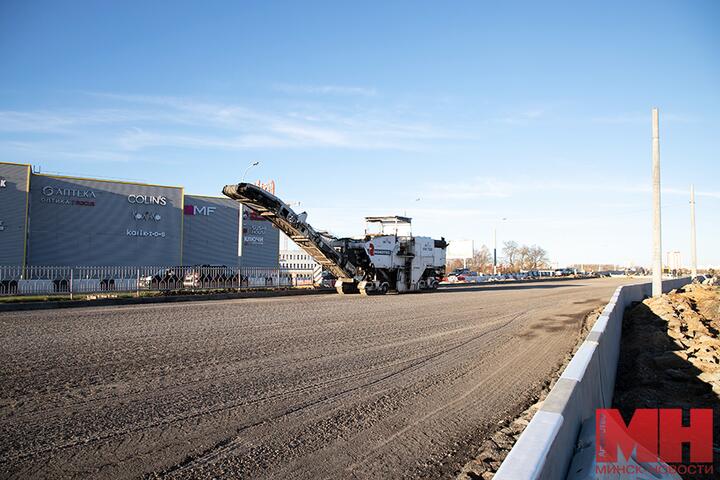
(39, 280)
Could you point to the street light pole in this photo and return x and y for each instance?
(693, 245)
(657, 229)
(495, 246)
(254, 164)
(495, 250)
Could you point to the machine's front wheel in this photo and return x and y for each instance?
(344, 288)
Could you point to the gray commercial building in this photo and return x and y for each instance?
(52, 220)
(14, 186)
(260, 241)
(210, 231)
(87, 222)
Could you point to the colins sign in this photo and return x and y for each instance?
(147, 200)
(68, 196)
(195, 210)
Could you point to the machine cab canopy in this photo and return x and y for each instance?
(389, 225)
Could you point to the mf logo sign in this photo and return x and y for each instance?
(195, 210)
(654, 437)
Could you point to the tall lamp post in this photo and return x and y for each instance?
(495, 246)
(254, 164)
(693, 243)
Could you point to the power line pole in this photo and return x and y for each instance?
(693, 245)
(657, 230)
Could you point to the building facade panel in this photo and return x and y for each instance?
(260, 241)
(14, 179)
(211, 229)
(95, 222)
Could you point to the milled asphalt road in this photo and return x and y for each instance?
(298, 387)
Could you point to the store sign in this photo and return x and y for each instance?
(68, 196)
(253, 215)
(195, 210)
(254, 234)
(147, 200)
(50, 191)
(144, 233)
(3, 182)
(147, 216)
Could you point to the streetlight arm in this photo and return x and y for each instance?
(254, 164)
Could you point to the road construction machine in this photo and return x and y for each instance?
(387, 258)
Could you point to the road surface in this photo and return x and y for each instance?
(296, 387)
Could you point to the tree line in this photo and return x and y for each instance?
(514, 258)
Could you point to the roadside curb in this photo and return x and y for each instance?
(106, 302)
(545, 449)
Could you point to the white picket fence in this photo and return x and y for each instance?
(38, 280)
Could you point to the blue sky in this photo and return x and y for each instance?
(537, 113)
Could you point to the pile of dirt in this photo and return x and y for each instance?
(670, 353)
(496, 447)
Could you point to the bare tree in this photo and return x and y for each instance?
(453, 264)
(510, 251)
(523, 258)
(537, 258)
(482, 259)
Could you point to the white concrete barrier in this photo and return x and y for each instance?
(546, 447)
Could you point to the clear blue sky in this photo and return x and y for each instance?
(537, 112)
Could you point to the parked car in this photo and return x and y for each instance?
(328, 280)
(168, 279)
(459, 271)
(210, 276)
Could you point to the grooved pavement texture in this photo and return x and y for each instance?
(296, 387)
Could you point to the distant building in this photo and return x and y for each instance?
(296, 260)
(55, 220)
(674, 261)
(298, 265)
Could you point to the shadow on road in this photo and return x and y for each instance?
(652, 373)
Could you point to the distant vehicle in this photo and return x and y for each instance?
(465, 276)
(209, 276)
(459, 271)
(168, 279)
(328, 280)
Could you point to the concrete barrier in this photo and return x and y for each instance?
(546, 447)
